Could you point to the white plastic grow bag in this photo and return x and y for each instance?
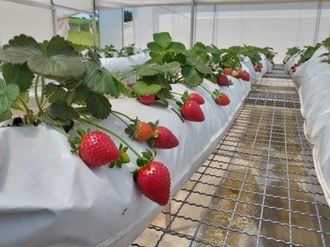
(315, 107)
(123, 64)
(49, 197)
(245, 61)
(300, 73)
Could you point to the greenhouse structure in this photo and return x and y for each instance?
(143, 123)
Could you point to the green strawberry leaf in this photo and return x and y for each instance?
(5, 116)
(20, 50)
(58, 45)
(162, 39)
(144, 88)
(200, 47)
(98, 105)
(176, 47)
(18, 74)
(180, 58)
(60, 110)
(94, 57)
(55, 59)
(58, 66)
(192, 76)
(54, 92)
(124, 89)
(100, 80)
(151, 69)
(18, 104)
(48, 119)
(8, 94)
(155, 48)
(2, 84)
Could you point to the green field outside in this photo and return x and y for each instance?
(83, 38)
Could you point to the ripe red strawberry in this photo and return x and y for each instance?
(147, 99)
(154, 181)
(246, 76)
(240, 74)
(97, 149)
(220, 98)
(197, 98)
(223, 80)
(191, 111)
(164, 138)
(227, 71)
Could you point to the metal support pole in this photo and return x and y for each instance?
(54, 18)
(192, 23)
(94, 24)
(317, 24)
(215, 25)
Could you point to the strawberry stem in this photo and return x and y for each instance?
(122, 114)
(36, 93)
(85, 119)
(122, 120)
(206, 89)
(180, 94)
(61, 131)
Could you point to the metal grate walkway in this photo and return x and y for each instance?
(258, 188)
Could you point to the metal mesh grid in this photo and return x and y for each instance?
(258, 188)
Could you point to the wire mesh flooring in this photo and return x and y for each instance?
(258, 188)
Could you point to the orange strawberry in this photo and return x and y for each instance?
(139, 131)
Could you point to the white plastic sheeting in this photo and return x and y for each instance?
(276, 25)
(49, 197)
(16, 19)
(314, 81)
(306, 70)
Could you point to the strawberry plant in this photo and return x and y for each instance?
(308, 53)
(326, 44)
(72, 79)
(152, 80)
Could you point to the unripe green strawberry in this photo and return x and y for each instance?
(97, 149)
(234, 73)
(154, 181)
(191, 111)
(164, 138)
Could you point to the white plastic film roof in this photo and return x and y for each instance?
(104, 4)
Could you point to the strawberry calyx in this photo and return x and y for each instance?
(139, 130)
(143, 160)
(216, 94)
(123, 157)
(74, 140)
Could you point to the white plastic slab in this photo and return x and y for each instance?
(315, 107)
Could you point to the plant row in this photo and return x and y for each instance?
(70, 88)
